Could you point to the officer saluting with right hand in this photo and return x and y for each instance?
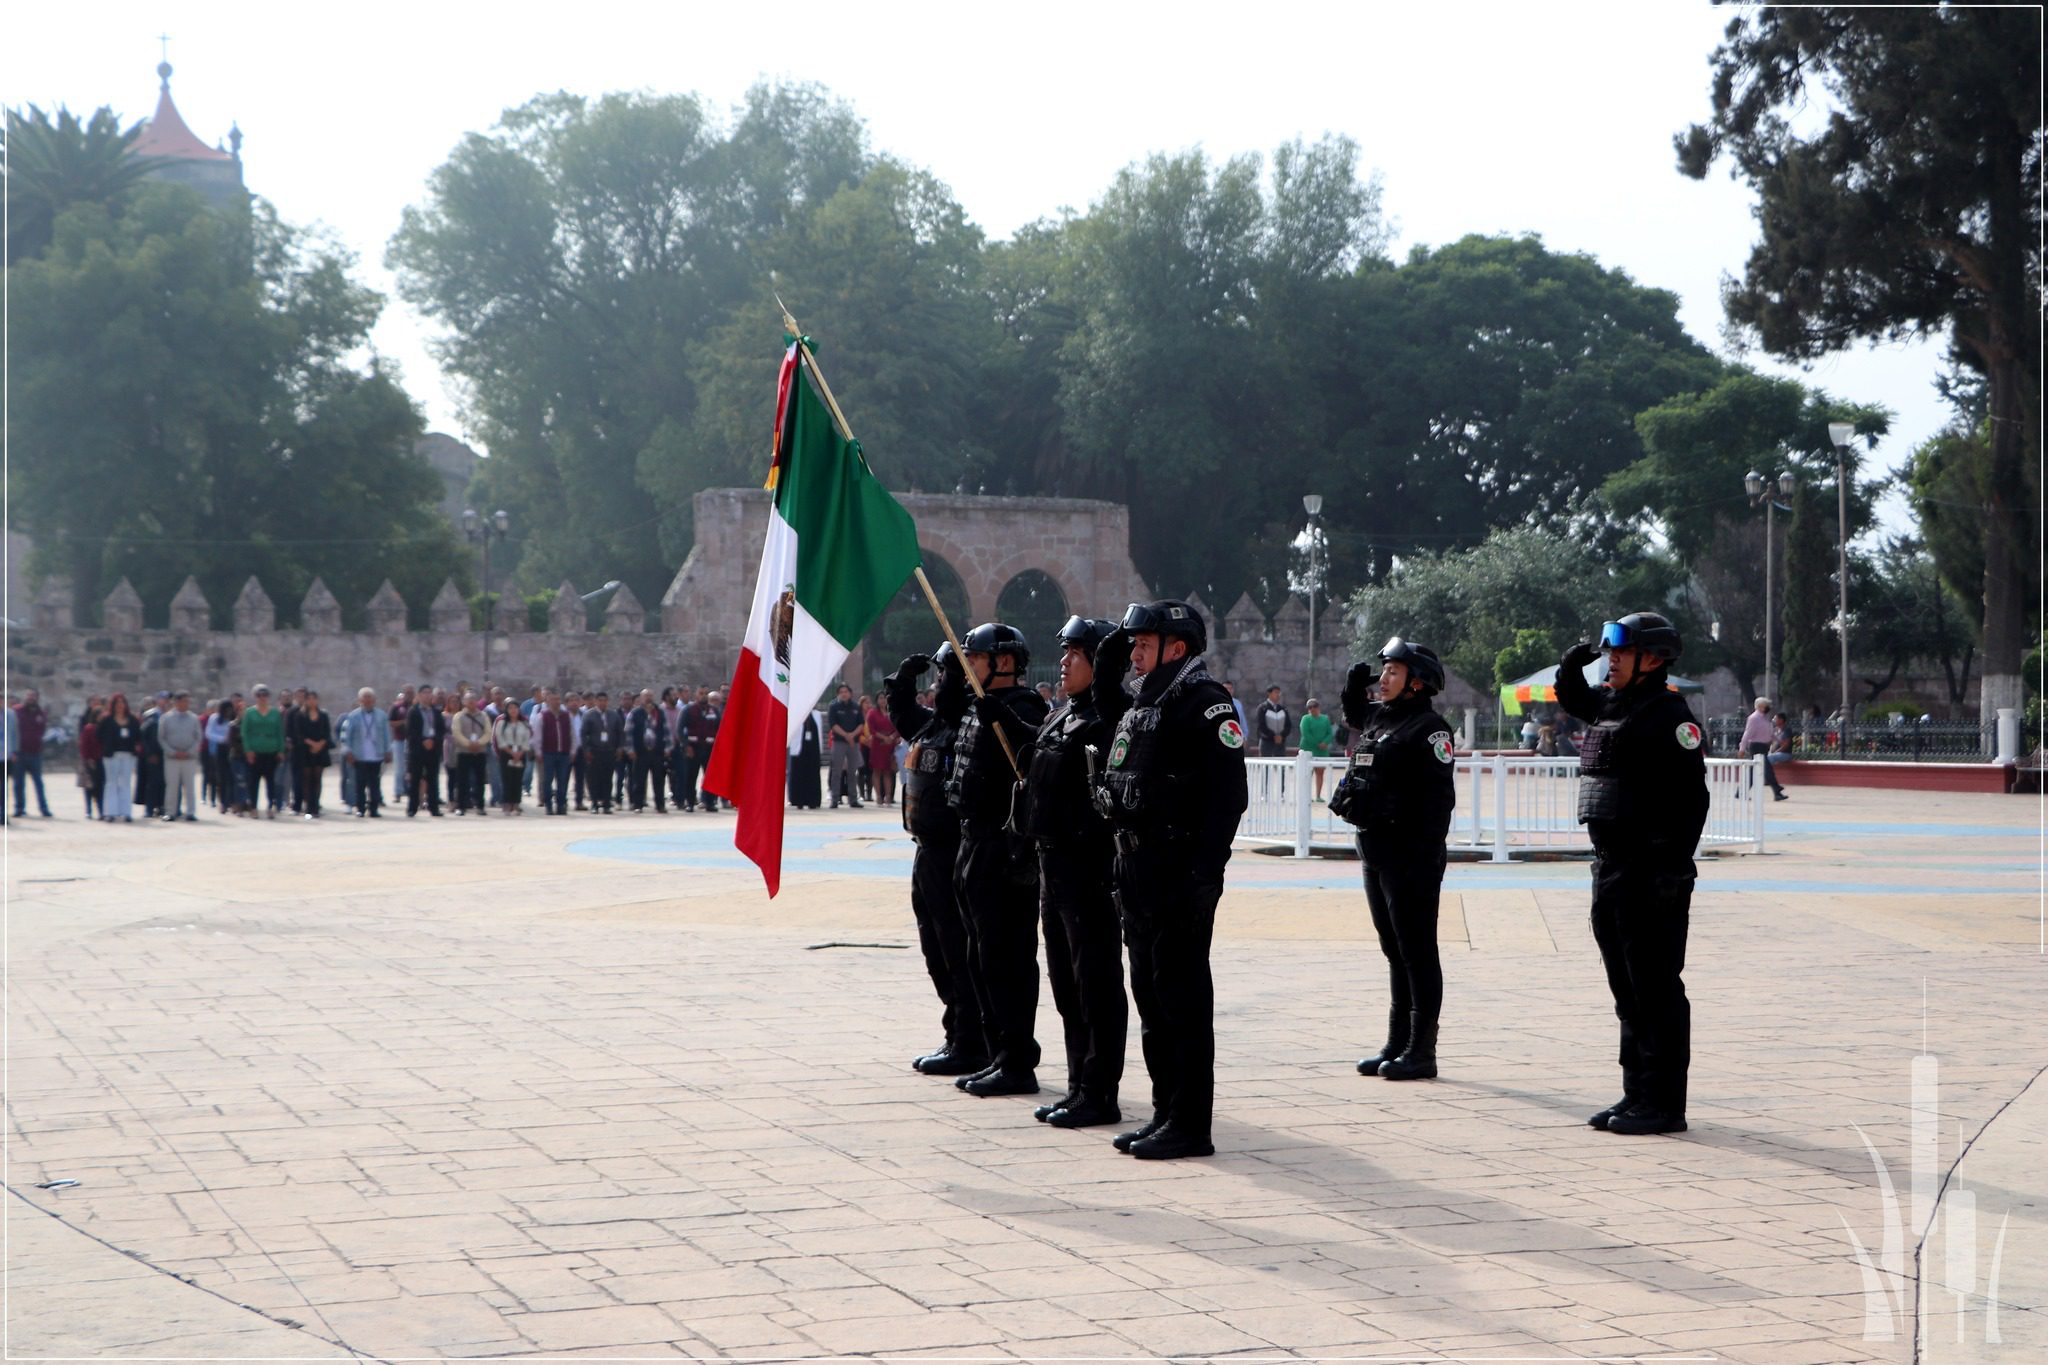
(1643, 798)
(1173, 786)
(1399, 791)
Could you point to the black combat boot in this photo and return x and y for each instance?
(1045, 1111)
(1171, 1144)
(1646, 1117)
(1397, 1041)
(948, 1062)
(1123, 1141)
(1600, 1119)
(1417, 1061)
(1085, 1111)
(1001, 1082)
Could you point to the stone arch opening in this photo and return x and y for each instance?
(906, 626)
(1035, 604)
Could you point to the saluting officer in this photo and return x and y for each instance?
(1399, 791)
(996, 875)
(1173, 786)
(1076, 857)
(936, 828)
(1643, 798)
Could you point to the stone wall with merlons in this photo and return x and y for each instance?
(691, 639)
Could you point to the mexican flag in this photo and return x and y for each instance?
(838, 548)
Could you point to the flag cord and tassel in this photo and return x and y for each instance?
(803, 346)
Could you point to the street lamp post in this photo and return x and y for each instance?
(1760, 492)
(1841, 433)
(483, 532)
(1312, 503)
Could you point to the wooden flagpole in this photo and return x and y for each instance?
(946, 625)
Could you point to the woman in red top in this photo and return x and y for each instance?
(882, 754)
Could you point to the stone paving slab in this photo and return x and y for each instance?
(540, 1086)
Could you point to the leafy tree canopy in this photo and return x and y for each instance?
(1911, 207)
(185, 401)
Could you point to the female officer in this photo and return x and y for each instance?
(1399, 792)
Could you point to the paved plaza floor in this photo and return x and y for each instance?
(529, 1087)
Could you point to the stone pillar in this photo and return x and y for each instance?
(385, 612)
(1244, 622)
(625, 615)
(255, 614)
(448, 614)
(53, 609)
(122, 609)
(190, 613)
(319, 612)
(508, 611)
(565, 614)
(1290, 623)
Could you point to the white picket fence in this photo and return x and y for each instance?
(1507, 804)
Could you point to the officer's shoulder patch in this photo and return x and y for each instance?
(1231, 733)
(1221, 708)
(1440, 745)
(1689, 735)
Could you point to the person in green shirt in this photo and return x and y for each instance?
(263, 742)
(1315, 738)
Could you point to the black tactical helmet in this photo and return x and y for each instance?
(1170, 620)
(1420, 661)
(1084, 633)
(1644, 630)
(993, 638)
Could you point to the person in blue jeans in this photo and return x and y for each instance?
(554, 734)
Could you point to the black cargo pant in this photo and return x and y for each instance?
(1403, 894)
(422, 781)
(597, 765)
(998, 892)
(1084, 959)
(942, 934)
(1642, 906)
(1169, 917)
(648, 766)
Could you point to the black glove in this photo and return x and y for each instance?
(1578, 656)
(1362, 676)
(915, 665)
(1113, 657)
(954, 670)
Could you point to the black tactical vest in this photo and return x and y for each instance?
(1600, 785)
(1131, 793)
(981, 782)
(1056, 802)
(925, 812)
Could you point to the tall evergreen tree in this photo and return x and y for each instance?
(1913, 208)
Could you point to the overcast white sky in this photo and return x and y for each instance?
(1482, 117)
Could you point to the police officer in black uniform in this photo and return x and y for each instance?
(1083, 954)
(1643, 798)
(1399, 791)
(933, 824)
(996, 875)
(1173, 785)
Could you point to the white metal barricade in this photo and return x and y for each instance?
(1507, 804)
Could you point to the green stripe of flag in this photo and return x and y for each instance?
(855, 543)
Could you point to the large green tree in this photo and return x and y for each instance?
(1502, 596)
(894, 266)
(1187, 384)
(1486, 384)
(1908, 205)
(184, 402)
(1698, 448)
(580, 253)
